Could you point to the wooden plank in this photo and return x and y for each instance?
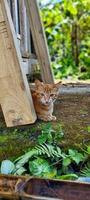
(1, 16)
(15, 96)
(24, 31)
(39, 40)
(25, 42)
(15, 17)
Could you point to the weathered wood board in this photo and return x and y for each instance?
(25, 42)
(15, 96)
(39, 40)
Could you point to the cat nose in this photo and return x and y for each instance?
(46, 101)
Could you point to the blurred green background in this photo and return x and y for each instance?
(67, 28)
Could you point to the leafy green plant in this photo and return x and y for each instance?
(48, 159)
(50, 135)
(45, 160)
(7, 167)
(46, 134)
(41, 167)
(67, 30)
(49, 150)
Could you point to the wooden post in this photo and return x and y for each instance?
(39, 40)
(15, 17)
(25, 42)
(24, 31)
(15, 96)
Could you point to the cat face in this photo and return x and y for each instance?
(46, 93)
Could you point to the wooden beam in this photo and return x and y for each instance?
(15, 96)
(15, 17)
(39, 40)
(25, 42)
(24, 31)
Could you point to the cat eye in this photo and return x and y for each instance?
(52, 95)
(42, 94)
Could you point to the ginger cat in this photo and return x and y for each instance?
(44, 97)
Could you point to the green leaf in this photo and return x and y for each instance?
(70, 6)
(76, 156)
(66, 161)
(40, 167)
(46, 135)
(20, 171)
(7, 167)
(19, 162)
(59, 152)
(72, 152)
(85, 172)
(42, 138)
(51, 174)
(88, 149)
(88, 129)
(68, 177)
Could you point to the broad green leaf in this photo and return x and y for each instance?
(66, 161)
(7, 167)
(51, 174)
(78, 158)
(72, 152)
(19, 162)
(40, 167)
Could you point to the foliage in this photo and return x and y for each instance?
(76, 156)
(88, 149)
(50, 135)
(68, 177)
(7, 167)
(41, 167)
(86, 171)
(46, 159)
(67, 25)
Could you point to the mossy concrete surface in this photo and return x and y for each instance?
(73, 113)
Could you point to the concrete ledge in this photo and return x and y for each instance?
(80, 87)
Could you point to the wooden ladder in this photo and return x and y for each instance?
(15, 96)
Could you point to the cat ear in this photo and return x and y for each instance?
(57, 86)
(38, 83)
